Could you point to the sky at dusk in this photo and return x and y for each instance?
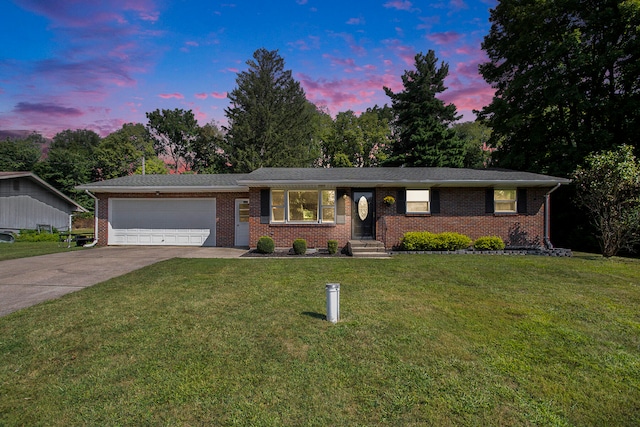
(84, 64)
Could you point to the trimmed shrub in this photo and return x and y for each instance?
(266, 245)
(426, 241)
(35, 236)
(489, 243)
(299, 246)
(332, 246)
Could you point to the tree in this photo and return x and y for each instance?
(474, 136)
(121, 152)
(423, 121)
(358, 141)
(566, 80)
(269, 118)
(173, 132)
(208, 155)
(20, 154)
(71, 162)
(608, 188)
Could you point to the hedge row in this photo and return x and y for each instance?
(447, 241)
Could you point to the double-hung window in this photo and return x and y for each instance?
(303, 206)
(418, 201)
(504, 201)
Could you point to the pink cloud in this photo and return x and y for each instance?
(448, 37)
(458, 4)
(46, 108)
(399, 4)
(175, 95)
(406, 53)
(351, 42)
(192, 43)
(356, 21)
(219, 95)
(201, 95)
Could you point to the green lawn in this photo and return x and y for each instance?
(423, 340)
(28, 249)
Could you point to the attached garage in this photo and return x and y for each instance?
(162, 222)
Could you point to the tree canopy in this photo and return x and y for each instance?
(425, 137)
(566, 79)
(269, 118)
(121, 152)
(173, 132)
(20, 154)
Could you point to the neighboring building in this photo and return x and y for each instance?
(322, 204)
(26, 202)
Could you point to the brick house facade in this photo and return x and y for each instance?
(337, 204)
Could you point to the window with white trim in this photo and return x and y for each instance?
(418, 201)
(504, 200)
(303, 206)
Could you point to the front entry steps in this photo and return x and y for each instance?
(367, 249)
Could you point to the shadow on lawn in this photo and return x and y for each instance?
(314, 315)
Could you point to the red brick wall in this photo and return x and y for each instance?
(283, 235)
(462, 210)
(225, 212)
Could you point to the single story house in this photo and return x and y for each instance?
(27, 202)
(323, 204)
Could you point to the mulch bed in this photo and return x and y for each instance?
(320, 253)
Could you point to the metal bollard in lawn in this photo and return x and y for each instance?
(333, 302)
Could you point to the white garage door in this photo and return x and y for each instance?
(181, 222)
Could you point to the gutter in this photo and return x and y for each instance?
(547, 217)
(95, 218)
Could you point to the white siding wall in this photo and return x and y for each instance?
(24, 212)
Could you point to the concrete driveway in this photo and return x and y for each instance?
(28, 281)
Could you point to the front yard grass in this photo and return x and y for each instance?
(29, 249)
(423, 340)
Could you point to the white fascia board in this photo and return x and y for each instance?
(169, 189)
(405, 183)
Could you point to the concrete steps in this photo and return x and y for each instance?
(367, 249)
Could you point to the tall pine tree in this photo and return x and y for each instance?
(270, 122)
(566, 79)
(424, 121)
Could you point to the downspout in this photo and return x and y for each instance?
(95, 219)
(547, 217)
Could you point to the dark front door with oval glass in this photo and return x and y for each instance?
(363, 215)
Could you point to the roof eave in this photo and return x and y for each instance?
(404, 183)
(163, 189)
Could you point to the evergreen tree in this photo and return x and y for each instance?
(270, 122)
(425, 137)
(566, 79)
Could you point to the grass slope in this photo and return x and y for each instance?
(423, 340)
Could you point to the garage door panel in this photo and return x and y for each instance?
(184, 222)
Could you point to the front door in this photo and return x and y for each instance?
(363, 215)
(242, 222)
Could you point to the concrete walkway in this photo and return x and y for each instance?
(28, 281)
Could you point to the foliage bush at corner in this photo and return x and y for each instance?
(332, 246)
(426, 241)
(299, 246)
(488, 243)
(35, 236)
(266, 245)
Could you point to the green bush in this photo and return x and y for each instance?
(488, 243)
(299, 246)
(426, 241)
(332, 246)
(266, 245)
(35, 236)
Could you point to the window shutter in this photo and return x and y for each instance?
(264, 206)
(521, 200)
(341, 217)
(435, 201)
(489, 206)
(401, 201)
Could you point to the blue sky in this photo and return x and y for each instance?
(71, 64)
